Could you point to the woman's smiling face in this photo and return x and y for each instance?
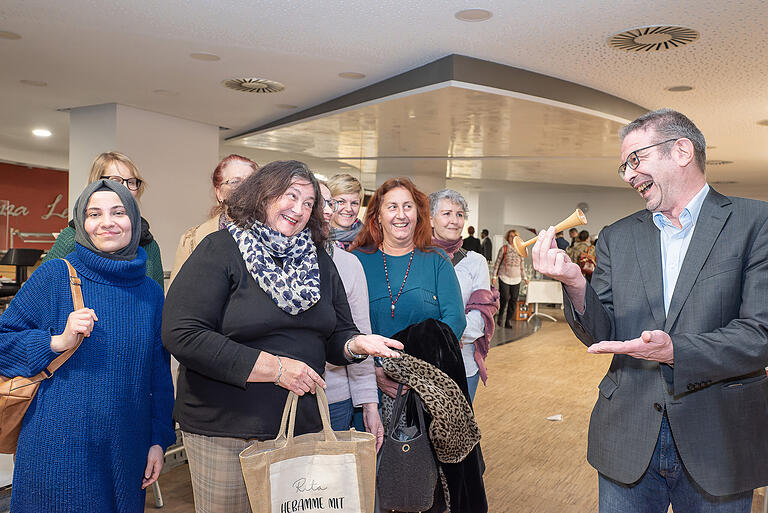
(398, 217)
(290, 212)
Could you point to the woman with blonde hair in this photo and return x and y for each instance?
(348, 194)
(508, 273)
(119, 168)
(226, 177)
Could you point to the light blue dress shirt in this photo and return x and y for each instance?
(675, 242)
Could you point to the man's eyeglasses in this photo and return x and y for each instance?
(132, 183)
(332, 204)
(633, 160)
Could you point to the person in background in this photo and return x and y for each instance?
(486, 246)
(348, 194)
(573, 233)
(471, 243)
(94, 435)
(508, 273)
(118, 168)
(447, 214)
(255, 312)
(351, 386)
(561, 242)
(583, 253)
(225, 178)
(680, 298)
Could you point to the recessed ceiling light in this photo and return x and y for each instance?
(763, 122)
(653, 38)
(41, 132)
(719, 162)
(202, 56)
(711, 147)
(9, 35)
(35, 83)
(165, 92)
(473, 15)
(352, 74)
(724, 182)
(680, 89)
(286, 106)
(253, 85)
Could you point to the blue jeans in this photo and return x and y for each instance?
(666, 482)
(341, 415)
(472, 382)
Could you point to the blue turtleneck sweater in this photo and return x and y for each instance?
(85, 438)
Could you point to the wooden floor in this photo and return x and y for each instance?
(532, 464)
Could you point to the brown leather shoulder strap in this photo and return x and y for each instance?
(77, 302)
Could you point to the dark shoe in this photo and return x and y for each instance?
(499, 321)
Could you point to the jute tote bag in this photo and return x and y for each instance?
(330, 471)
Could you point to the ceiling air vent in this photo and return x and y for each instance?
(653, 39)
(254, 85)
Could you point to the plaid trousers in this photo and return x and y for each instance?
(217, 479)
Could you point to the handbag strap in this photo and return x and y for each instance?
(77, 302)
(397, 410)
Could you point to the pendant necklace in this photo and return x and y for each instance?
(389, 289)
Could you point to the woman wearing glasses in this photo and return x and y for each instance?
(119, 168)
(225, 178)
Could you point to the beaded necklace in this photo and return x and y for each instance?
(389, 289)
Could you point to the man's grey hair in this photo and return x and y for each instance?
(670, 124)
(453, 196)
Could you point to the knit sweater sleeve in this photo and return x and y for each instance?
(154, 263)
(163, 433)
(64, 245)
(449, 294)
(192, 314)
(31, 319)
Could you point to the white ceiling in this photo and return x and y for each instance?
(92, 52)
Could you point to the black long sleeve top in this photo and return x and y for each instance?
(216, 322)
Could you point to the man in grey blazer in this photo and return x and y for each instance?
(680, 296)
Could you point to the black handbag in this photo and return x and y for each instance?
(406, 471)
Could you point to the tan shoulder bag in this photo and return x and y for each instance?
(16, 393)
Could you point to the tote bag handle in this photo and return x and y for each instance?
(289, 416)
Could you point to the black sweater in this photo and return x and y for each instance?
(216, 322)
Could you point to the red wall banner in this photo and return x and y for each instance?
(32, 201)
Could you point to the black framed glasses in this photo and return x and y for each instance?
(633, 160)
(233, 182)
(132, 183)
(331, 203)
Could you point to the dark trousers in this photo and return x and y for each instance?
(507, 298)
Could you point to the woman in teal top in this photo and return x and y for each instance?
(409, 281)
(119, 168)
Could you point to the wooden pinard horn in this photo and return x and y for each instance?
(576, 219)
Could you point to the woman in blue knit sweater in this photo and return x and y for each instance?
(94, 436)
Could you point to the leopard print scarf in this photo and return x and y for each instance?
(295, 287)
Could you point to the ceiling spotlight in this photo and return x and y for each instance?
(352, 74)
(763, 122)
(9, 35)
(165, 92)
(35, 83)
(201, 56)
(711, 147)
(473, 15)
(41, 132)
(680, 89)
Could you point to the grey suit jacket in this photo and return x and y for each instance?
(716, 395)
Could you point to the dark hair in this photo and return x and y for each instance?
(471, 230)
(371, 235)
(583, 235)
(249, 202)
(573, 230)
(484, 233)
(670, 124)
(217, 179)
